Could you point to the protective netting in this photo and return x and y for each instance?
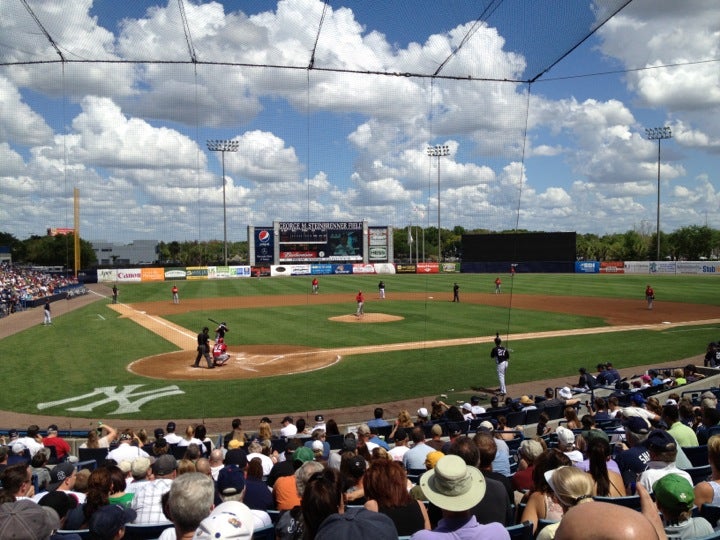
(333, 105)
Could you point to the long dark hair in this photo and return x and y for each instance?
(598, 452)
(321, 498)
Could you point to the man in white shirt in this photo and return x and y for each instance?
(170, 436)
(401, 439)
(663, 453)
(126, 451)
(288, 428)
(33, 440)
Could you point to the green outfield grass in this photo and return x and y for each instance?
(92, 346)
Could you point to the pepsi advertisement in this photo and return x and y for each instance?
(264, 246)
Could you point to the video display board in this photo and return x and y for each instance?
(320, 241)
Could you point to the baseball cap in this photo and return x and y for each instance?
(317, 445)
(349, 443)
(565, 435)
(231, 480)
(467, 406)
(18, 448)
(266, 420)
(526, 400)
(164, 464)
(565, 392)
(107, 521)
(360, 523)
(422, 412)
(303, 454)
(475, 400)
(637, 425)
(357, 466)
(59, 501)
(59, 473)
(432, 458)
(486, 425)
(52, 427)
(638, 398)
(26, 519)
(159, 433)
(170, 426)
(229, 520)
(319, 418)
(530, 449)
(661, 441)
(12, 433)
(237, 457)
(140, 466)
(674, 492)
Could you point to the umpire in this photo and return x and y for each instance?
(203, 348)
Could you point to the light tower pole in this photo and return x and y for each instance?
(658, 134)
(438, 151)
(222, 146)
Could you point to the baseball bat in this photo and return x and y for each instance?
(213, 320)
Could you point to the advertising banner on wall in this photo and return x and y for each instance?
(662, 267)
(406, 269)
(175, 273)
(152, 274)
(587, 267)
(320, 241)
(196, 272)
(637, 267)
(129, 275)
(698, 267)
(428, 268)
(106, 275)
(264, 245)
(612, 267)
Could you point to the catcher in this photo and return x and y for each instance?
(220, 355)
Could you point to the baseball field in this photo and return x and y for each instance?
(292, 351)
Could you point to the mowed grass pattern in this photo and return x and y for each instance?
(91, 347)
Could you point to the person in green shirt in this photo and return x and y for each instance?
(683, 435)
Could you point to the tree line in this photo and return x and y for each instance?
(693, 242)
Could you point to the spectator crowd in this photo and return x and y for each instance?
(448, 472)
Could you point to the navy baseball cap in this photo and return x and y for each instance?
(107, 521)
(231, 480)
(638, 399)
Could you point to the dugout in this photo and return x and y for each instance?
(536, 252)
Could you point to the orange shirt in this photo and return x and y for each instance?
(285, 493)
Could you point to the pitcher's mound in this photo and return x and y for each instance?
(367, 318)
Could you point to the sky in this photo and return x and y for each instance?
(125, 119)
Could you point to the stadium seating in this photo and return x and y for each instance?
(630, 501)
(521, 531)
(145, 532)
(698, 455)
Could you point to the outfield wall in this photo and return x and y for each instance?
(195, 273)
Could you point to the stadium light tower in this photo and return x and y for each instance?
(438, 151)
(222, 146)
(658, 134)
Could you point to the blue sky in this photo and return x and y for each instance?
(331, 144)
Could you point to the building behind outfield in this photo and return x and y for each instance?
(525, 252)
